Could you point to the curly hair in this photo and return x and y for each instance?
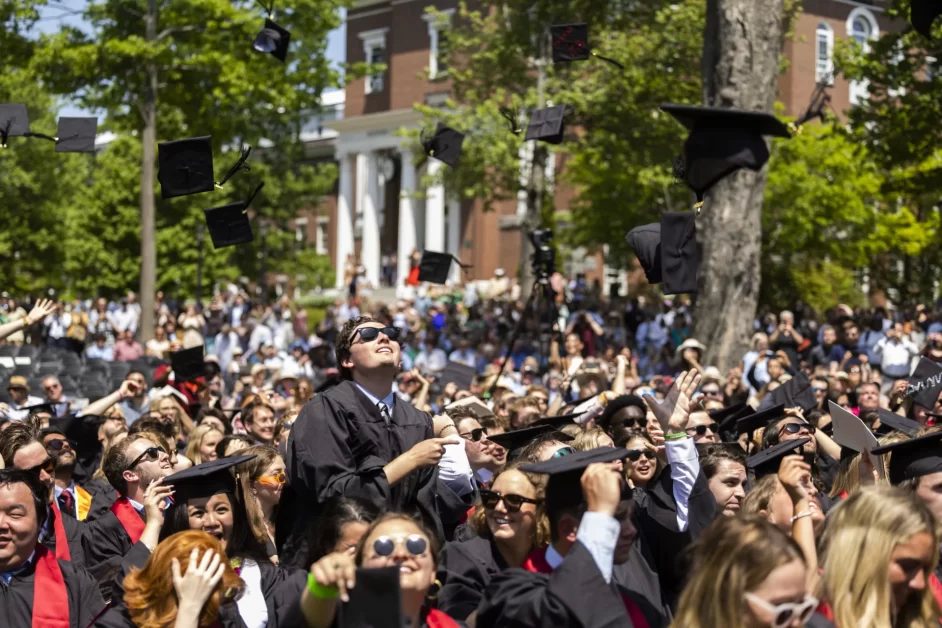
(149, 593)
(541, 532)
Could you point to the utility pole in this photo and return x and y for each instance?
(148, 108)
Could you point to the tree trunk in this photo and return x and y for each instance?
(148, 144)
(742, 46)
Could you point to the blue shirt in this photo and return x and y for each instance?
(389, 399)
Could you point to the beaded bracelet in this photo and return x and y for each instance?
(675, 436)
(319, 591)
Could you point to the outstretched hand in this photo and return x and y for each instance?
(674, 410)
(42, 309)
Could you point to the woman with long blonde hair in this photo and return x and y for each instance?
(201, 443)
(746, 573)
(878, 550)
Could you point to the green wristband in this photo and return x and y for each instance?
(319, 591)
(675, 436)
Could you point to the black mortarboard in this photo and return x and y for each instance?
(925, 383)
(76, 135)
(722, 141)
(187, 364)
(14, 121)
(727, 417)
(185, 166)
(444, 145)
(556, 422)
(229, 225)
(890, 421)
(273, 39)
(570, 42)
(48, 408)
(762, 418)
(768, 460)
(547, 124)
(434, 267)
(205, 479)
(795, 392)
(914, 458)
(646, 243)
(668, 251)
(461, 374)
(375, 602)
(564, 488)
(922, 13)
(518, 439)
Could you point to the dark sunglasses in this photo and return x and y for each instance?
(795, 428)
(48, 465)
(369, 334)
(474, 435)
(701, 430)
(713, 392)
(512, 502)
(563, 451)
(635, 454)
(151, 453)
(633, 422)
(416, 544)
(57, 444)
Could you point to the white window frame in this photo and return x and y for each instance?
(824, 71)
(436, 23)
(300, 232)
(859, 90)
(374, 40)
(321, 234)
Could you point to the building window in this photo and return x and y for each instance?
(862, 27)
(824, 54)
(300, 233)
(438, 25)
(320, 237)
(374, 52)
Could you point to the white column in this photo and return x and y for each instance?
(344, 226)
(435, 211)
(368, 188)
(454, 237)
(407, 235)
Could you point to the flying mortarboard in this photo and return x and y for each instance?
(853, 436)
(914, 458)
(477, 406)
(460, 374)
(444, 145)
(762, 418)
(890, 421)
(925, 383)
(518, 439)
(205, 479)
(547, 125)
(434, 266)
(922, 13)
(187, 364)
(768, 460)
(722, 141)
(272, 39)
(76, 135)
(14, 122)
(186, 166)
(795, 392)
(229, 225)
(668, 251)
(571, 43)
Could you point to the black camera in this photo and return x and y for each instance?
(543, 260)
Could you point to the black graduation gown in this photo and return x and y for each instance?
(106, 544)
(74, 534)
(103, 495)
(574, 595)
(636, 577)
(339, 445)
(85, 602)
(465, 569)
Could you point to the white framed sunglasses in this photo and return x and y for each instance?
(783, 614)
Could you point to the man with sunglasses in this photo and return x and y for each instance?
(73, 500)
(358, 439)
(479, 449)
(702, 428)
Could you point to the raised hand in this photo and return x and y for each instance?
(196, 585)
(672, 413)
(793, 473)
(155, 498)
(42, 309)
(337, 570)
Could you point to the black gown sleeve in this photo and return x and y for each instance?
(282, 589)
(85, 601)
(575, 595)
(465, 569)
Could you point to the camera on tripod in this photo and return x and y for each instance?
(543, 260)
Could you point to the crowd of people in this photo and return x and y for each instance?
(455, 458)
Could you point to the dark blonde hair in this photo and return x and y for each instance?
(247, 473)
(541, 532)
(149, 594)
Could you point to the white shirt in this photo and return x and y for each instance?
(685, 467)
(251, 603)
(598, 532)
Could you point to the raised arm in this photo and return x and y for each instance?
(42, 309)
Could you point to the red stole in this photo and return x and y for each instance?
(62, 541)
(49, 585)
(130, 520)
(936, 587)
(438, 619)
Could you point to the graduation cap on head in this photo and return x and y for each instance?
(229, 225)
(46, 408)
(914, 458)
(922, 14)
(272, 39)
(564, 488)
(722, 141)
(205, 479)
(853, 436)
(571, 43)
(556, 422)
(925, 383)
(795, 392)
(518, 439)
(186, 166)
(76, 135)
(768, 460)
(668, 251)
(727, 417)
(187, 364)
(752, 422)
(434, 267)
(547, 125)
(444, 145)
(890, 421)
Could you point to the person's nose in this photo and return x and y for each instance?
(739, 491)
(44, 476)
(918, 581)
(210, 521)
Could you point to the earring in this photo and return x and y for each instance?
(433, 590)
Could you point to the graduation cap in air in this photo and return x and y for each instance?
(434, 266)
(795, 392)
(722, 141)
(853, 436)
(925, 383)
(444, 145)
(229, 225)
(460, 374)
(556, 422)
(187, 364)
(14, 122)
(518, 439)
(186, 166)
(922, 14)
(76, 135)
(668, 251)
(272, 39)
(564, 488)
(914, 458)
(478, 407)
(571, 43)
(890, 421)
(205, 479)
(767, 461)
(547, 125)
(752, 422)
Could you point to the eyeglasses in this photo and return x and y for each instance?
(563, 451)
(701, 430)
(151, 453)
(635, 454)
(369, 334)
(795, 428)
(512, 502)
(274, 480)
(818, 390)
(416, 544)
(474, 435)
(784, 614)
(633, 422)
(57, 444)
(48, 465)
